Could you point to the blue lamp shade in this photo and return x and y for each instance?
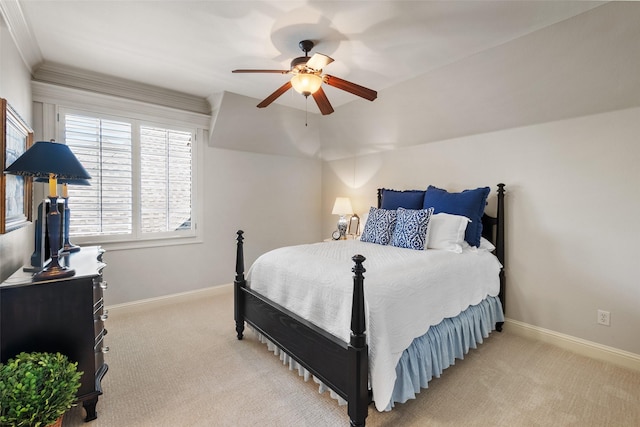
(48, 157)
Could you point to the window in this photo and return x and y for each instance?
(142, 178)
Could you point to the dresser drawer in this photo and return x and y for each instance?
(100, 349)
(98, 322)
(99, 286)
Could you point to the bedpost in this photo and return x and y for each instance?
(238, 284)
(358, 354)
(500, 248)
(500, 229)
(379, 197)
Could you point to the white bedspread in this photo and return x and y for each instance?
(406, 292)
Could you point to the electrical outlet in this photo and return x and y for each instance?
(604, 318)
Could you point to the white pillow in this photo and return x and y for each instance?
(485, 244)
(446, 231)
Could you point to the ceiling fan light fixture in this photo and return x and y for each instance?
(306, 83)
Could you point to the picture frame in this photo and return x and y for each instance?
(16, 192)
(354, 225)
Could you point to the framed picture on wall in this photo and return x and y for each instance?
(15, 191)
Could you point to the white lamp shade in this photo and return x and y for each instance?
(342, 206)
(306, 83)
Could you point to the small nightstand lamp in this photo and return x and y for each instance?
(342, 207)
(53, 161)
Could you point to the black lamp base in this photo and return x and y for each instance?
(54, 272)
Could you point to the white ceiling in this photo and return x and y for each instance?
(192, 46)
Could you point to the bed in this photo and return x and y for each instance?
(324, 331)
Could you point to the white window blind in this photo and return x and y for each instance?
(142, 178)
(104, 147)
(165, 179)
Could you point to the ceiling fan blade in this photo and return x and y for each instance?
(350, 87)
(261, 71)
(318, 61)
(323, 102)
(269, 99)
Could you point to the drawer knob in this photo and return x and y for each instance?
(104, 349)
(104, 316)
(103, 285)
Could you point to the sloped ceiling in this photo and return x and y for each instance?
(585, 65)
(442, 69)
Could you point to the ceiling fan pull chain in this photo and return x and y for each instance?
(306, 110)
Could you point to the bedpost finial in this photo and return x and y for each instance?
(358, 268)
(240, 233)
(501, 188)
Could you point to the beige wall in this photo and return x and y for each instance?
(274, 199)
(16, 246)
(572, 213)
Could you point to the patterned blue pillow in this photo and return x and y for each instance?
(379, 227)
(411, 228)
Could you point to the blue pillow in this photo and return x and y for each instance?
(379, 227)
(409, 199)
(411, 228)
(469, 203)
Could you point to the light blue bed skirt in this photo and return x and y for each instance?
(429, 354)
(433, 352)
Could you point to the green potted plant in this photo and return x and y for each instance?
(36, 389)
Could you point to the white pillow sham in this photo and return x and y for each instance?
(485, 244)
(446, 231)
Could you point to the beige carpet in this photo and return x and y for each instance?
(181, 365)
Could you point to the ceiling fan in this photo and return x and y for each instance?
(308, 78)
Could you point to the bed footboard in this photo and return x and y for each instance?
(342, 366)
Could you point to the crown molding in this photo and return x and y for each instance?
(99, 102)
(21, 33)
(75, 78)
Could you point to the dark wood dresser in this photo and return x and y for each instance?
(63, 315)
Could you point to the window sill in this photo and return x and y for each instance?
(142, 244)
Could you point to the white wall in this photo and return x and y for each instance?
(16, 246)
(274, 199)
(572, 213)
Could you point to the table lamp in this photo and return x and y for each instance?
(342, 207)
(51, 160)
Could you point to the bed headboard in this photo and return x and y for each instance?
(492, 226)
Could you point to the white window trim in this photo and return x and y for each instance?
(54, 98)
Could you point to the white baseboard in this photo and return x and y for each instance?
(144, 304)
(577, 345)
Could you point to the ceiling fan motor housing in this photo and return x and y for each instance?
(299, 63)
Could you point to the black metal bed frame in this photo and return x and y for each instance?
(342, 366)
